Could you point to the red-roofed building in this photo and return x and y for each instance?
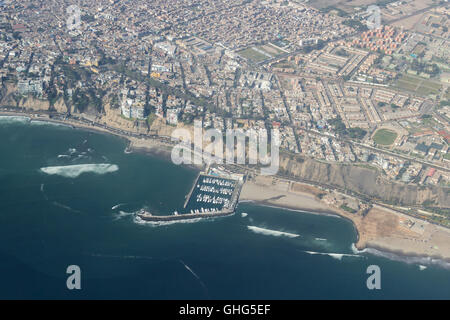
(444, 134)
(423, 133)
(276, 124)
(431, 172)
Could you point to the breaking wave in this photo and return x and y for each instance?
(269, 232)
(421, 261)
(118, 206)
(337, 256)
(123, 214)
(50, 123)
(13, 119)
(355, 250)
(73, 171)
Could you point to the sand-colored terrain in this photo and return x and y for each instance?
(281, 193)
(380, 228)
(394, 231)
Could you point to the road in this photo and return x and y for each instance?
(382, 151)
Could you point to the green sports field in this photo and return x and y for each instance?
(385, 137)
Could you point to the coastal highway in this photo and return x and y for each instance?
(59, 118)
(167, 140)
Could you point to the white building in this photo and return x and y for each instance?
(172, 116)
(133, 109)
(30, 86)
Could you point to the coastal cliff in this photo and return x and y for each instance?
(364, 181)
(9, 97)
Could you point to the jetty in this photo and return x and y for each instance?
(214, 193)
(188, 216)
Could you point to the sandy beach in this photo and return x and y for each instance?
(380, 228)
(281, 195)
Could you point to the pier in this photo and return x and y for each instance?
(187, 216)
(192, 189)
(212, 195)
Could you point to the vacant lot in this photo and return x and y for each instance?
(384, 137)
(253, 55)
(418, 85)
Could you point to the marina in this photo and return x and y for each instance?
(214, 193)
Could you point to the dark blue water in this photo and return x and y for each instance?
(51, 221)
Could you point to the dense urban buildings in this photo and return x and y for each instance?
(338, 91)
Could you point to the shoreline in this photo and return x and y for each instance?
(143, 145)
(375, 231)
(155, 147)
(381, 251)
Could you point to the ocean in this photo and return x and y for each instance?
(67, 197)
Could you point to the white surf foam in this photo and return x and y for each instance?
(117, 206)
(337, 256)
(13, 119)
(123, 214)
(355, 250)
(423, 261)
(269, 232)
(49, 123)
(73, 171)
